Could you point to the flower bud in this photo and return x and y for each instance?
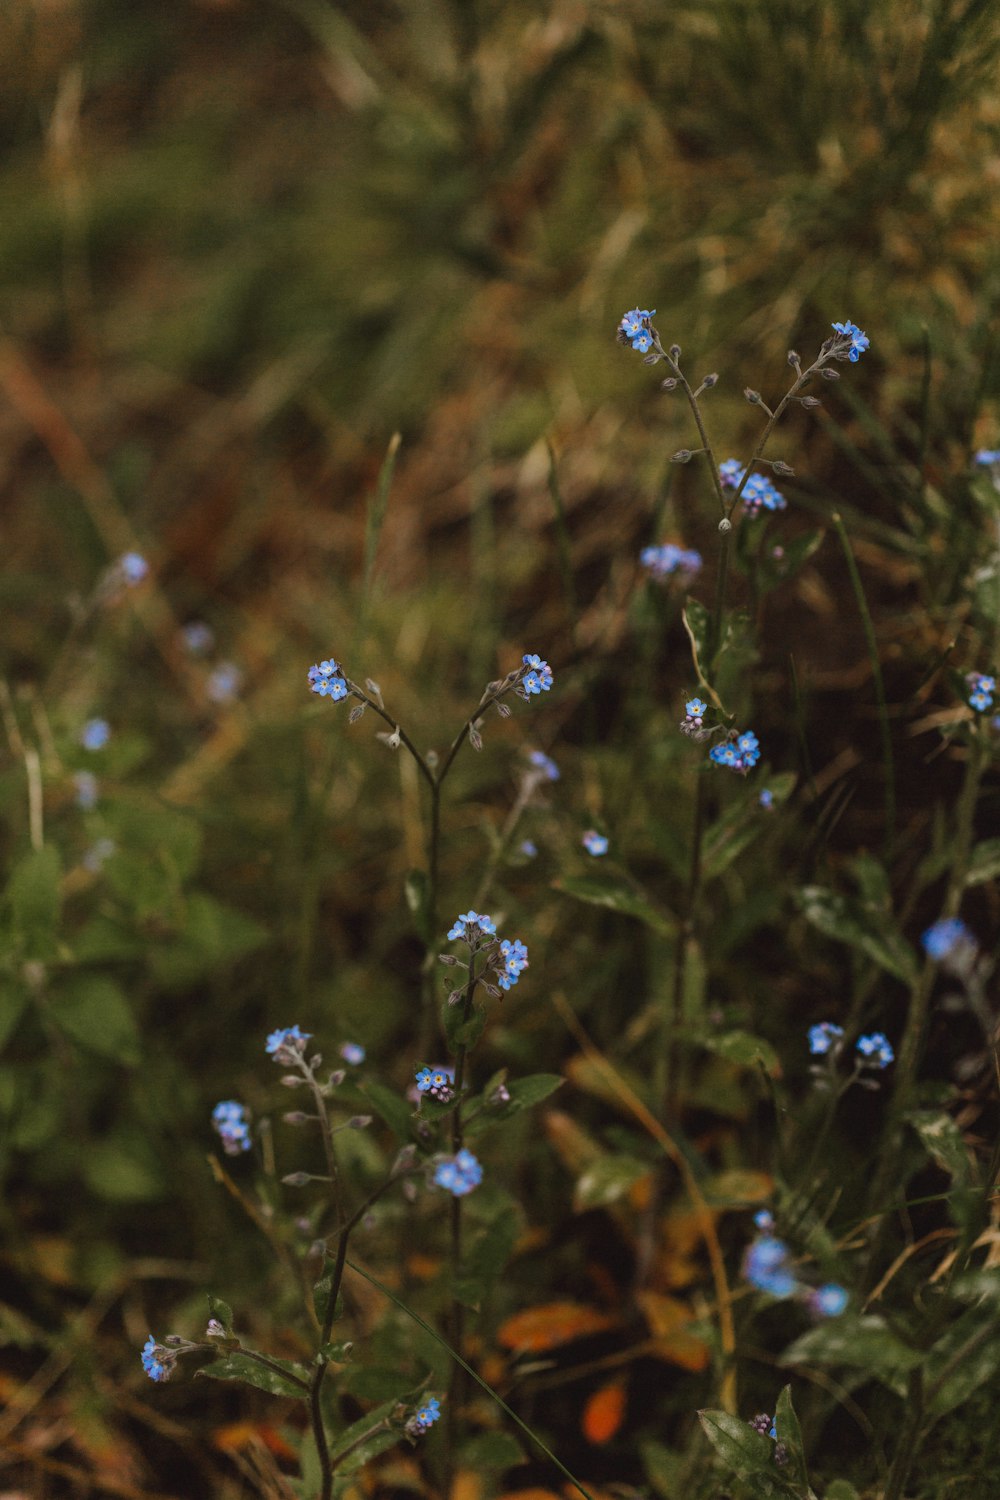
(709, 381)
(793, 359)
(359, 1122)
(675, 352)
(295, 1117)
(780, 467)
(292, 1081)
(809, 402)
(670, 383)
(356, 713)
(448, 959)
(829, 374)
(725, 525)
(296, 1179)
(752, 396)
(475, 738)
(682, 456)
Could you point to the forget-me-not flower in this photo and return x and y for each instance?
(859, 340)
(459, 1174)
(471, 927)
(544, 763)
(425, 1415)
(827, 1301)
(327, 679)
(595, 843)
(438, 1082)
(230, 1120)
(765, 1266)
(943, 938)
(668, 558)
(157, 1361)
(823, 1037)
(634, 328)
(981, 690)
(95, 734)
(538, 677)
(287, 1039)
(875, 1050)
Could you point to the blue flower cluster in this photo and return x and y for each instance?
(132, 568)
(87, 791)
(669, 558)
(595, 843)
(859, 341)
(634, 328)
(327, 679)
(767, 1266)
(197, 637)
(438, 1082)
(230, 1120)
(987, 457)
(738, 753)
(425, 1416)
(543, 763)
(353, 1053)
(943, 939)
(471, 928)
(538, 677)
(288, 1040)
(458, 1174)
(758, 492)
(95, 734)
(515, 961)
(823, 1037)
(157, 1362)
(981, 690)
(874, 1050)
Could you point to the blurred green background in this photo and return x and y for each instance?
(242, 244)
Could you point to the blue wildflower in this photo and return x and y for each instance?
(859, 340)
(664, 560)
(326, 679)
(95, 734)
(438, 1082)
(766, 800)
(828, 1301)
(85, 783)
(764, 1220)
(542, 762)
(760, 494)
(695, 710)
(425, 1415)
(98, 855)
(458, 1174)
(230, 1120)
(528, 848)
(595, 843)
(731, 473)
(471, 927)
(824, 1037)
(765, 1266)
(634, 328)
(740, 752)
(538, 677)
(288, 1039)
(353, 1053)
(514, 958)
(197, 637)
(943, 938)
(133, 568)
(224, 682)
(157, 1361)
(765, 1425)
(981, 690)
(875, 1049)
(988, 456)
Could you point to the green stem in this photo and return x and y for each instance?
(909, 1437)
(457, 1322)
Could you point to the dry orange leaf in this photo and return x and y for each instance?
(467, 1485)
(603, 1413)
(237, 1435)
(668, 1320)
(551, 1324)
(534, 1493)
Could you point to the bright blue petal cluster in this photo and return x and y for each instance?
(197, 637)
(230, 1120)
(634, 328)
(669, 558)
(538, 677)
(695, 711)
(738, 753)
(981, 690)
(875, 1050)
(157, 1362)
(595, 843)
(542, 762)
(765, 1266)
(766, 800)
(471, 927)
(515, 960)
(438, 1082)
(95, 734)
(133, 568)
(823, 1037)
(459, 1174)
(86, 786)
(942, 938)
(988, 457)
(353, 1053)
(326, 679)
(287, 1039)
(758, 492)
(224, 682)
(827, 1301)
(529, 848)
(859, 340)
(426, 1415)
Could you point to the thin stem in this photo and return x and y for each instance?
(909, 1437)
(269, 1364)
(457, 1321)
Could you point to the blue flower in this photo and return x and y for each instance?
(224, 682)
(988, 456)
(471, 928)
(458, 1174)
(823, 1037)
(542, 762)
(514, 959)
(859, 340)
(695, 710)
(98, 855)
(595, 843)
(766, 800)
(528, 848)
(876, 1049)
(828, 1301)
(760, 494)
(95, 734)
(634, 326)
(438, 1082)
(287, 1039)
(942, 938)
(765, 1266)
(133, 568)
(981, 690)
(740, 752)
(85, 783)
(326, 679)
(731, 473)
(197, 637)
(425, 1416)
(157, 1362)
(764, 1220)
(230, 1120)
(538, 677)
(669, 558)
(353, 1053)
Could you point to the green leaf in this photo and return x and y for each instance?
(857, 1343)
(698, 624)
(965, 1359)
(222, 1313)
(93, 1011)
(389, 1106)
(418, 892)
(212, 935)
(491, 1452)
(377, 1443)
(123, 1170)
(942, 1139)
(870, 932)
(14, 998)
(530, 1090)
(242, 1367)
(735, 831)
(748, 1453)
(321, 1297)
(786, 1425)
(664, 1468)
(744, 1049)
(840, 1489)
(35, 901)
(984, 863)
(486, 1259)
(606, 1180)
(338, 1352)
(598, 890)
(461, 1032)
